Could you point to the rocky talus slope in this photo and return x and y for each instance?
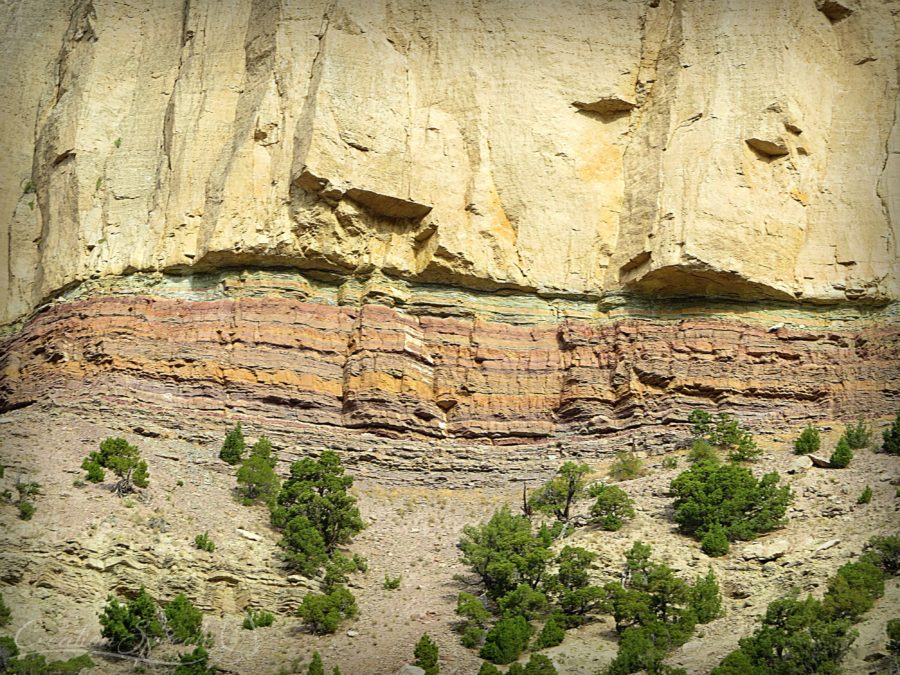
(83, 543)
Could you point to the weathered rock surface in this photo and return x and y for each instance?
(686, 148)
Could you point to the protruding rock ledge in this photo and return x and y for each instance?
(768, 147)
(379, 203)
(834, 10)
(607, 105)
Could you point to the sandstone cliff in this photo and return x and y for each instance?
(701, 148)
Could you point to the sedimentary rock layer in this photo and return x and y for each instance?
(667, 147)
(343, 361)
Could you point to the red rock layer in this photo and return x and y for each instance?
(417, 373)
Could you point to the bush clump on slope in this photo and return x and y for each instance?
(233, 447)
(808, 441)
(611, 508)
(727, 496)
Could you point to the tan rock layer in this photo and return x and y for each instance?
(675, 147)
(414, 373)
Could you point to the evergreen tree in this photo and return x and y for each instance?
(233, 447)
(842, 454)
(123, 459)
(195, 663)
(709, 496)
(256, 477)
(318, 491)
(184, 621)
(553, 632)
(133, 627)
(506, 640)
(316, 667)
(891, 436)
(706, 599)
(612, 507)
(539, 664)
(426, 653)
(808, 441)
(505, 553)
(858, 435)
(5, 613)
(557, 496)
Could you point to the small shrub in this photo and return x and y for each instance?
(853, 590)
(865, 497)
(195, 663)
(316, 667)
(808, 441)
(338, 571)
(553, 632)
(611, 508)
(858, 435)
(36, 664)
(893, 634)
(133, 627)
(258, 619)
(28, 188)
(701, 423)
(204, 543)
(184, 622)
(506, 640)
(426, 653)
(714, 542)
(706, 599)
(95, 472)
(26, 510)
(472, 636)
(5, 613)
(488, 668)
(539, 664)
(702, 451)
(323, 613)
(884, 552)
(233, 446)
(669, 462)
(391, 583)
(891, 438)
(842, 454)
(475, 617)
(626, 466)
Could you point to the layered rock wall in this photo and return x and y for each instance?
(666, 147)
(315, 362)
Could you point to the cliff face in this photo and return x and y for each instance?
(726, 148)
(381, 170)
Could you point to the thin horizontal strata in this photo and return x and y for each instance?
(434, 299)
(508, 370)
